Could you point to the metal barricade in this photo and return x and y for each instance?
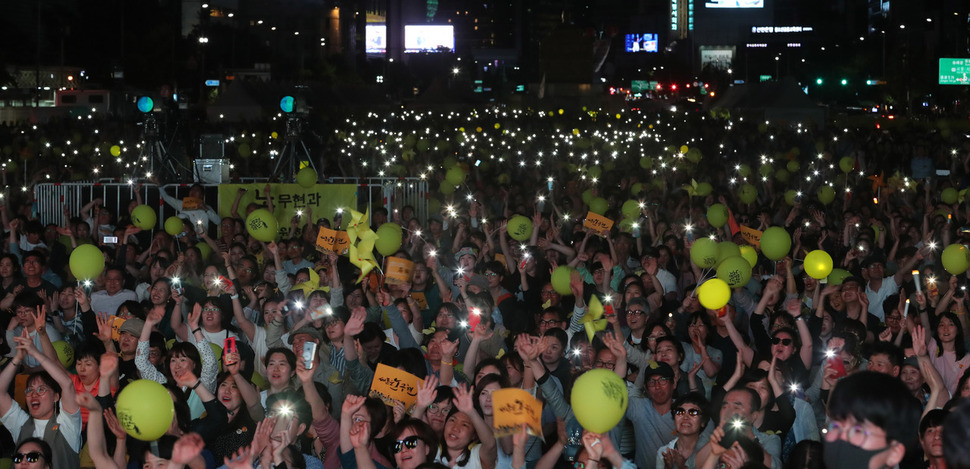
(51, 200)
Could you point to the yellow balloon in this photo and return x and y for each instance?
(684, 149)
(115, 150)
(818, 264)
(599, 400)
(145, 409)
(714, 293)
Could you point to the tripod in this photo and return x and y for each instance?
(291, 156)
(154, 153)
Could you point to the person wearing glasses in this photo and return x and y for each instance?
(52, 412)
(32, 453)
(872, 419)
(740, 409)
(691, 416)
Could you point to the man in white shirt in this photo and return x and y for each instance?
(114, 293)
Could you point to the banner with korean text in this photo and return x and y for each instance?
(318, 201)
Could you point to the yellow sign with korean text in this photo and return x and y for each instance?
(191, 203)
(333, 241)
(392, 385)
(598, 223)
(513, 407)
(751, 236)
(398, 271)
(420, 299)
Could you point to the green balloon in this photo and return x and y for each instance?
(87, 262)
(744, 170)
(520, 228)
(717, 215)
(455, 176)
(174, 225)
(736, 271)
(424, 144)
(262, 225)
(726, 249)
(790, 196)
(630, 208)
(245, 150)
(447, 188)
(847, 164)
(838, 276)
(636, 188)
(694, 155)
(793, 166)
(145, 409)
(766, 170)
(560, 280)
(703, 189)
(307, 177)
(204, 251)
(782, 176)
(955, 259)
(703, 253)
(949, 196)
(646, 162)
(748, 194)
(594, 172)
(598, 205)
(749, 254)
(389, 237)
(826, 194)
(775, 243)
(143, 217)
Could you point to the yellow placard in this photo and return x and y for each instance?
(420, 299)
(116, 323)
(751, 236)
(598, 223)
(511, 408)
(398, 271)
(191, 203)
(392, 385)
(331, 240)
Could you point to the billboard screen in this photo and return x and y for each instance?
(734, 4)
(428, 38)
(955, 71)
(375, 38)
(642, 43)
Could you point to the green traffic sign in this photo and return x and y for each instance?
(954, 71)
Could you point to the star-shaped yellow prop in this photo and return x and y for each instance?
(362, 238)
(593, 320)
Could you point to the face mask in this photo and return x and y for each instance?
(842, 454)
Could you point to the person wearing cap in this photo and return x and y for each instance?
(879, 287)
(465, 258)
(650, 413)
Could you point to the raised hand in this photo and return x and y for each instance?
(87, 401)
(108, 365)
(351, 404)
(241, 459)
(593, 445)
(194, 316)
(449, 349)
(427, 392)
(463, 399)
(919, 341)
(355, 325)
(303, 373)
(187, 448)
(104, 327)
(114, 425)
(360, 434)
(40, 317)
(264, 429)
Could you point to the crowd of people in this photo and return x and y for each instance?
(869, 370)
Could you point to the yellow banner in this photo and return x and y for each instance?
(511, 407)
(751, 235)
(598, 223)
(318, 201)
(392, 385)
